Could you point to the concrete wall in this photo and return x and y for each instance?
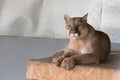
(44, 18)
(110, 18)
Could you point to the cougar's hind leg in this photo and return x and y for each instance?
(86, 59)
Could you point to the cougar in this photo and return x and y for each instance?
(86, 45)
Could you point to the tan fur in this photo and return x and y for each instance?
(86, 44)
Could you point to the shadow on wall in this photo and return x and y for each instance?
(1, 5)
(22, 24)
(27, 24)
(35, 13)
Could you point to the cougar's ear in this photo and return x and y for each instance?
(66, 18)
(84, 18)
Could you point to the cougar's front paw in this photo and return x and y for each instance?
(57, 54)
(68, 63)
(57, 60)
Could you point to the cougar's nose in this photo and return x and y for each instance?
(73, 31)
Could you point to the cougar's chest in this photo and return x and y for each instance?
(87, 49)
(76, 45)
(81, 47)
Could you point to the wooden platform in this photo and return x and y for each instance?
(42, 69)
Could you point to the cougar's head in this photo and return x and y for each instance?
(76, 27)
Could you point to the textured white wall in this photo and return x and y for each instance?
(44, 18)
(110, 20)
(52, 23)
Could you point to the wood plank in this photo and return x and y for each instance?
(42, 69)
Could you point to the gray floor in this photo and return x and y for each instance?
(15, 51)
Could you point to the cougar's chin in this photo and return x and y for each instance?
(74, 36)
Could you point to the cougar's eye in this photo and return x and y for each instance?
(68, 26)
(80, 27)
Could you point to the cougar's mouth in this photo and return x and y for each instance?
(74, 35)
